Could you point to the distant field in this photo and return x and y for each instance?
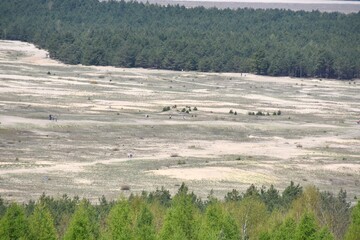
(105, 113)
(323, 6)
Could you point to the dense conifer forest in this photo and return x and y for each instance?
(131, 34)
(259, 213)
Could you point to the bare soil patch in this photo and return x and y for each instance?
(105, 114)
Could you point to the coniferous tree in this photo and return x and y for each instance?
(271, 198)
(119, 221)
(307, 228)
(291, 193)
(285, 231)
(83, 224)
(14, 224)
(131, 34)
(42, 224)
(144, 227)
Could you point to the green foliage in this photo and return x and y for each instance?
(252, 191)
(162, 196)
(103, 208)
(291, 193)
(336, 212)
(259, 213)
(265, 236)
(61, 209)
(271, 198)
(234, 195)
(324, 234)
(144, 227)
(181, 162)
(82, 224)
(119, 222)
(261, 64)
(218, 224)
(285, 231)
(2, 207)
(29, 207)
(307, 228)
(134, 34)
(251, 214)
(42, 224)
(14, 224)
(166, 109)
(179, 221)
(353, 232)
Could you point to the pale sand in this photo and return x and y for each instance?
(69, 94)
(216, 174)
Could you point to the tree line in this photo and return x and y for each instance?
(259, 213)
(132, 34)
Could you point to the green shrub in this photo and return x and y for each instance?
(167, 108)
(181, 162)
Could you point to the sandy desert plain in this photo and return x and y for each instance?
(102, 112)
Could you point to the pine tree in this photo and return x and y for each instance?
(290, 193)
(119, 221)
(144, 228)
(285, 231)
(42, 224)
(307, 228)
(82, 225)
(271, 198)
(14, 224)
